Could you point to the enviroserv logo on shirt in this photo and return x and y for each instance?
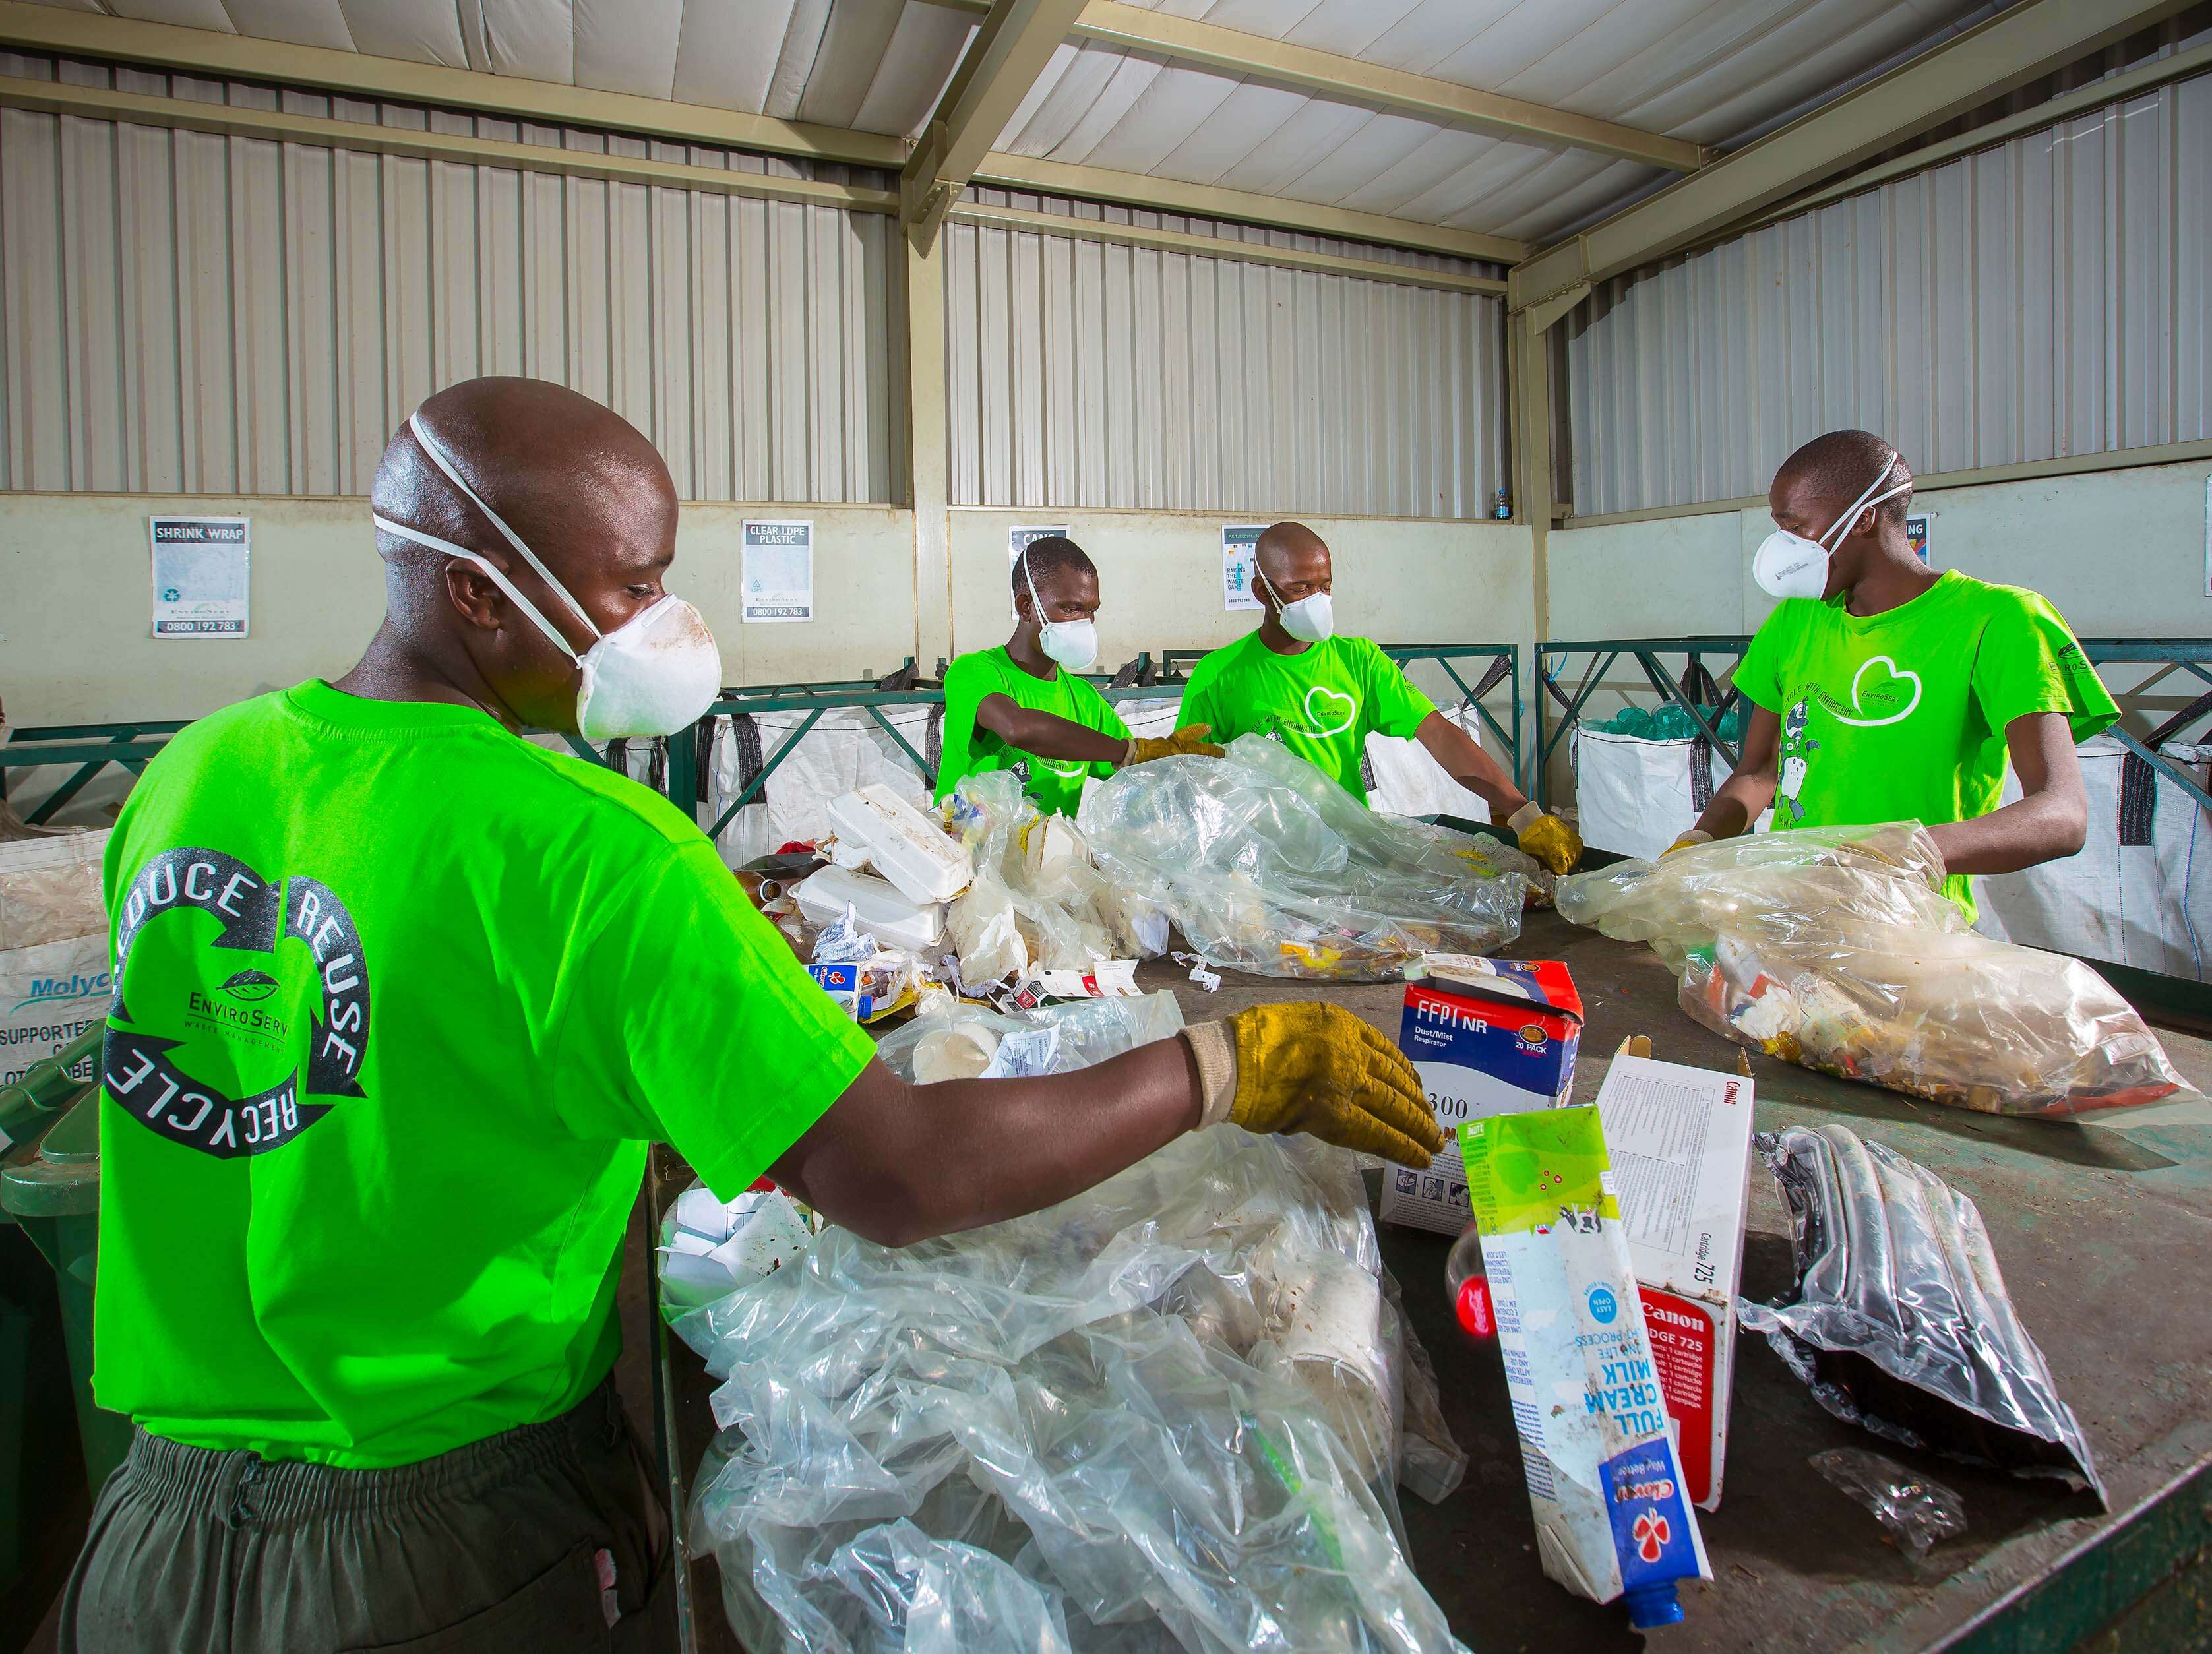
(214, 1052)
(60, 990)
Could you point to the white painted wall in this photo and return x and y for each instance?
(75, 599)
(75, 643)
(2121, 553)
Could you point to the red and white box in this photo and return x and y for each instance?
(1488, 1036)
(1679, 1141)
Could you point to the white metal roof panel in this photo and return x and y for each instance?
(1709, 71)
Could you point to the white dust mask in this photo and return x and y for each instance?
(1311, 619)
(1788, 565)
(1070, 643)
(654, 674)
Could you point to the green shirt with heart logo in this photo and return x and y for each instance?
(1900, 716)
(1321, 702)
(400, 1001)
(1054, 785)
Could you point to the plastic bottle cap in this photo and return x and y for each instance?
(1473, 1304)
(1650, 1607)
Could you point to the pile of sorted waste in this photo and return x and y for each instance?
(1171, 1413)
(1835, 948)
(1257, 859)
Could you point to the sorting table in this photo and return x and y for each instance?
(2103, 1227)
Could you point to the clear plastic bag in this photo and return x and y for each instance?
(1919, 1511)
(1166, 1410)
(1038, 901)
(1899, 1320)
(1834, 947)
(1085, 1033)
(1268, 866)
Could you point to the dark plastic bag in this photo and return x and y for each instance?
(1901, 1321)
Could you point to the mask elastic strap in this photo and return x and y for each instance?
(1029, 580)
(1865, 500)
(485, 564)
(453, 476)
(1259, 574)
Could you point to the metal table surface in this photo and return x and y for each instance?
(2104, 1231)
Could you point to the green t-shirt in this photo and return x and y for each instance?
(1900, 716)
(399, 1000)
(1055, 785)
(1321, 702)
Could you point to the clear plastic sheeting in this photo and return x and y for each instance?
(1038, 901)
(1268, 866)
(1165, 1414)
(1899, 1320)
(1834, 948)
(50, 889)
(955, 1039)
(1919, 1511)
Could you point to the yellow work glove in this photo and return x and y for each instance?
(1313, 1067)
(1695, 836)
(1546, 837)
(1189, 742)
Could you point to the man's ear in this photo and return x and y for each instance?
(475, 598)
(1024, 609)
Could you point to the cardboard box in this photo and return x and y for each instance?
(1679, 1141)
(1489, 1037)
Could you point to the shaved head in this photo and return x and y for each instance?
(1834, 470)
(578, 484)
(1293, 562)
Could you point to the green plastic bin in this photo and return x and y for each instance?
(50, 1186)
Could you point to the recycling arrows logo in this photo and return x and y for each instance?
(256, 914)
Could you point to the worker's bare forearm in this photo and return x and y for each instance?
(900, 1163)
(1738, 803)
(1049, 735)
(2024, 834)
(1463, 759)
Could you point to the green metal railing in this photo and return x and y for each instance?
(90, 748)
(1699, 691)
(1695, 688)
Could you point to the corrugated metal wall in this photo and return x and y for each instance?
(182, 312)
(1087, 375)
(2050, 296)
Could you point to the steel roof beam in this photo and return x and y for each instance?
(2018, 46)
(1209, 201)
(1348, 79)
(1000, 65)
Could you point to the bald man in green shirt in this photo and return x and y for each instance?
(1024, 706)
(400, 1001)
(1296, 681)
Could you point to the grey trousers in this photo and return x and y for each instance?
(537, 1541)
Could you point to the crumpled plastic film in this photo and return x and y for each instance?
(1037, 900)
(1834, 948)
(1899, 1321)
(1919, 1511)
(1266, 865)
(1166, 1410)
(955, 1039)
(50, 889)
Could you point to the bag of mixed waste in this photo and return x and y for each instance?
(1899, 1320)
(1038, 902)
(1168, 1412)
(1834, 948)
(1268, 866)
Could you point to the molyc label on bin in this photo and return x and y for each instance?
(1494, 1037)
